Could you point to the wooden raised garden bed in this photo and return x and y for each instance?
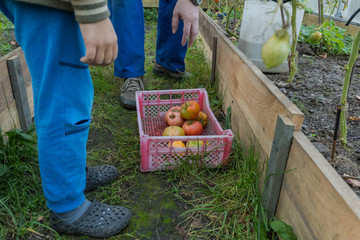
(314, 199)
(16, 98)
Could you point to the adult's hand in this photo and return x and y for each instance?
(189, 13)
(100, 42)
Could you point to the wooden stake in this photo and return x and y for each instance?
(277, 164)
(336, 129)
(213, 64)
(19, 91)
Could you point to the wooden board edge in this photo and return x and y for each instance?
(6, 122)
(18, 51)
(314, 199)
(329, 173)
(311, 19)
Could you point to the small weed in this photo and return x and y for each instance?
(150, 14)
(299, 104)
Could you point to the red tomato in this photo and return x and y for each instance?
(189, 110)
(173, 118)
(174, 131)
(192, 127)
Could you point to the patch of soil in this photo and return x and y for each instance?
(316, 90)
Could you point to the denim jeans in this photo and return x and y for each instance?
(127, 17)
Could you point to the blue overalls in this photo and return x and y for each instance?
(127, 17)
(63, 97)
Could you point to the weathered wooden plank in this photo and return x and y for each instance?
(6, 94)
(314, 199)
(151, 3)
(311, 19)
(6, 122)
(19, 90)
(277, 164)
(9, 119)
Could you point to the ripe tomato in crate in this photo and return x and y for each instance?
(157, 151)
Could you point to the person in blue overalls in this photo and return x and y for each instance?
(178, 21)
(59, 39)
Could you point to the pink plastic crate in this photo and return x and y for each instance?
(156, 153)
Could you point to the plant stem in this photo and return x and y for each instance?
(293, 52)
(227, 21)
(321, 11)
(353, 57)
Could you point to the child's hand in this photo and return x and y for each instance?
(100, 41)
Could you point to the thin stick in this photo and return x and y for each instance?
(336, 131)
(282, 15)
(352, 177)
(213, 65)
(235, 17)
(283, 23)
(321, 11)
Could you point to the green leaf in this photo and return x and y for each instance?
(3, 169)
(1, 138)
(284, 230)
(26, 136)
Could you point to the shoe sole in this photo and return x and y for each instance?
(164, 74)
(123, 102)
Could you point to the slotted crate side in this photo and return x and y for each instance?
(158, 102)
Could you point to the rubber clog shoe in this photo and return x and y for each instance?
(100, 220)
(99, 176)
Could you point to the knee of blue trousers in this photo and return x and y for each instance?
(127, 17)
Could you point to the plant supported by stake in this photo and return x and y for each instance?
(347, 80)
(293, 52)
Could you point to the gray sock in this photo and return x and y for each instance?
(73, 215)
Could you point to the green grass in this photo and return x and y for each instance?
(6, 29)
(222, 203)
